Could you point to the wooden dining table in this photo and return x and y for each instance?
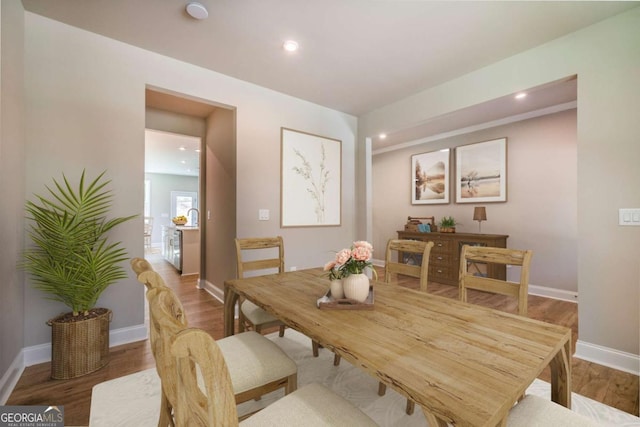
(462, 363)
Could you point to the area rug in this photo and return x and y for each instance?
(134, 400)
(388, 410)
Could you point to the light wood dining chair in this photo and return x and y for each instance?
(418, 252)
(212, 404)
(251, 316)
(468, 279)
(257, 366)
(148, 229)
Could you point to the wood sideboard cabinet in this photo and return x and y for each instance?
(444, 262)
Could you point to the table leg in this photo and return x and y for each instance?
(561, 376)
(230, 299)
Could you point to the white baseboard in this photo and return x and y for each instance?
(11, 377)
(553, 293)
(213, 290)
(616, 359)
(41, 353)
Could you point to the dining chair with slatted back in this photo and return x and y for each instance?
(248, 250)
(418, 252)
(164, 309)
(471, 256)
(415, 261)
(148, 230)
(408, 258)
(210, 402)
(257, 365)
(166, 319)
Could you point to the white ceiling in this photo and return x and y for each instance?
(171, 153)
(355, 55)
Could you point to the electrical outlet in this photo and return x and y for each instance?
(263, 214)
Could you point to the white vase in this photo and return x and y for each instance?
(336, 289)
(356, 287)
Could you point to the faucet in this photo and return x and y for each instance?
(197, 216)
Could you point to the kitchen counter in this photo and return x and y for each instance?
(182, 248)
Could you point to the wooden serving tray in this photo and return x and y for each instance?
(327, 302)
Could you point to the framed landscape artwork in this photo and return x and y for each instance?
(481, 172)
(430, 178)
(311, 180)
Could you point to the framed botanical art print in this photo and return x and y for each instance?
(430, 178)
(481, 172)
(311, 180)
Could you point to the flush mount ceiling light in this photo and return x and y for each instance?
(197, 10)
(290, 45)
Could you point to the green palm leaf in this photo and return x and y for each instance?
(70, 258)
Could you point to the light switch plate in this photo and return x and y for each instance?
(263, 214)
(629, 217)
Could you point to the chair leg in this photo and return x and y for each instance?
(382, 389)
(410, 407)
(292, 384)
(281, 332)
(314, 348)
(241, 322)
(336, 359)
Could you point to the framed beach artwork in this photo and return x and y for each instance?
(481, 172)
(311, 180)
(430, 178)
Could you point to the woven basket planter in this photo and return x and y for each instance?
(79, 347)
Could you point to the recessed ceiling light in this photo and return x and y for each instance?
(290, 45)
(382, 136)
(197, 10)
(182, 148)
(521, 95)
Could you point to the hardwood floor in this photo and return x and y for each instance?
(35, 387)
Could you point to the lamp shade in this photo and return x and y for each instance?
(479, 213)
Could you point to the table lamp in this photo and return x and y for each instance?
(479, 214)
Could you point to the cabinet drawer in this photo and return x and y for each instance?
(438, 258)
(439, 272)
(442, 246)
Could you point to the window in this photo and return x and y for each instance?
(181, 202)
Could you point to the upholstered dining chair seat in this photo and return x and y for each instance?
(313, 405)
(255, 314)
(535, 411)
(252, 359)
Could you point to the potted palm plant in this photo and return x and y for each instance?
(72, 260)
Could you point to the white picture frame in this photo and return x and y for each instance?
(311, 180)
(430, 177)
(481, 172)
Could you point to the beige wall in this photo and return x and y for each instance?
(541, 210)
(220, 226)
(12, 309)
(606, 59)
(85, 105)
